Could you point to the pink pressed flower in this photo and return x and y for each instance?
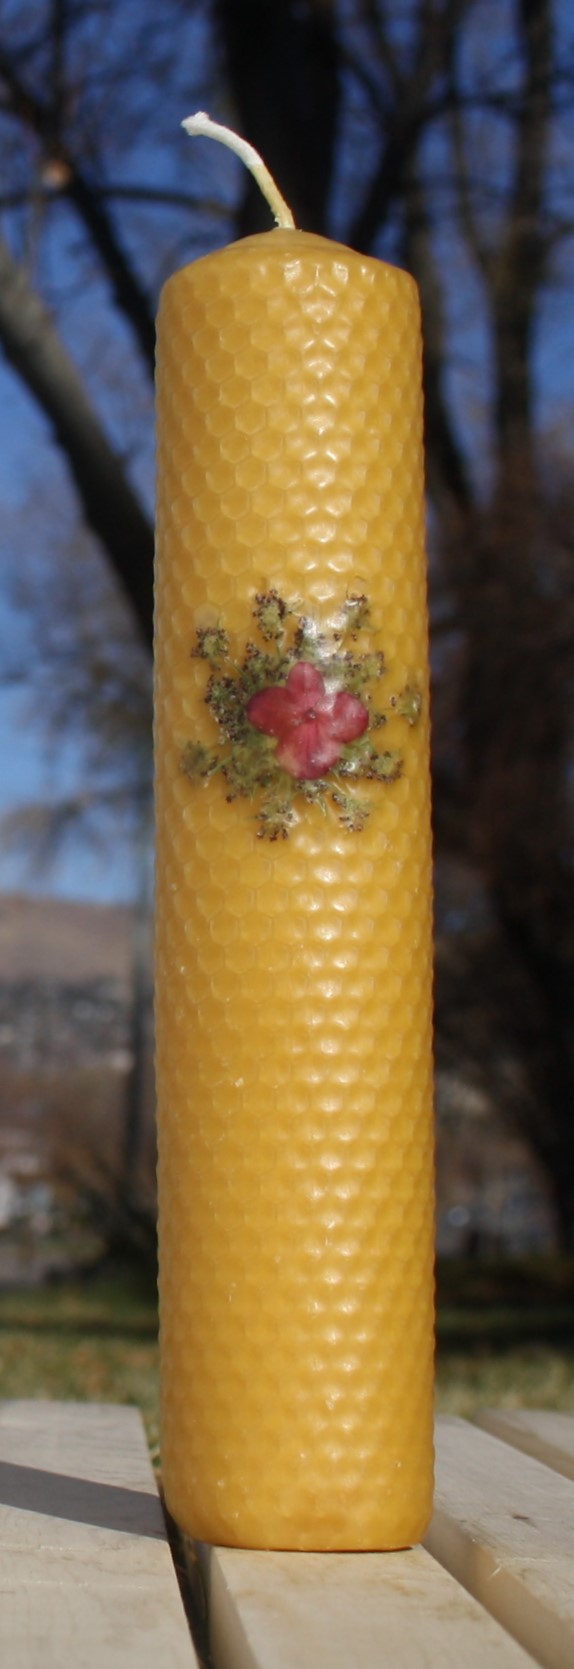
(310, 723)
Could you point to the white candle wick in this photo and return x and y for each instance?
(201, 125)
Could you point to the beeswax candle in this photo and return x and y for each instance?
(293, 984)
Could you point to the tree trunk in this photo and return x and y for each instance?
(551, 1131)
(283, 72)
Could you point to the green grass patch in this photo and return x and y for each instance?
(93, 1340)
(505, 1334)
(505, 1337)
(534, 1375)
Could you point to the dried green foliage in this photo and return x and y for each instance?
(248, 756)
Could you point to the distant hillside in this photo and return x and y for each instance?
(53, 939)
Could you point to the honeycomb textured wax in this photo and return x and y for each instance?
(293, 937)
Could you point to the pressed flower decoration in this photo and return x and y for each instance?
(297, 717)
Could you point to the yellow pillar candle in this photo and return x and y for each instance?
(293, 973)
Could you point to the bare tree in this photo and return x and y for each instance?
(53, 98)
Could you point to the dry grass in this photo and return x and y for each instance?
(535, 1375)
(87, 1341)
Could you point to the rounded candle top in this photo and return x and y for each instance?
(284, 240)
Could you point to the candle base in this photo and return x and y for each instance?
(267, 1502)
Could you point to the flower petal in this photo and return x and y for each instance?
(305, 684)
(308, 751)
(272, 710)
(349, 717)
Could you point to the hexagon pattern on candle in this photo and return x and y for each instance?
(293, 978)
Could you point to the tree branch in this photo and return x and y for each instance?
(518, 266)
(129, 293)
(32, 345)
(449, 481)
(409, 114)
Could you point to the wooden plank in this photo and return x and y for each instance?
(504, 1527)
(309, 1610)
(543, 1433)
(86, 1574)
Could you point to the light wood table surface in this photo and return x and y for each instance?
(87, 1576)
